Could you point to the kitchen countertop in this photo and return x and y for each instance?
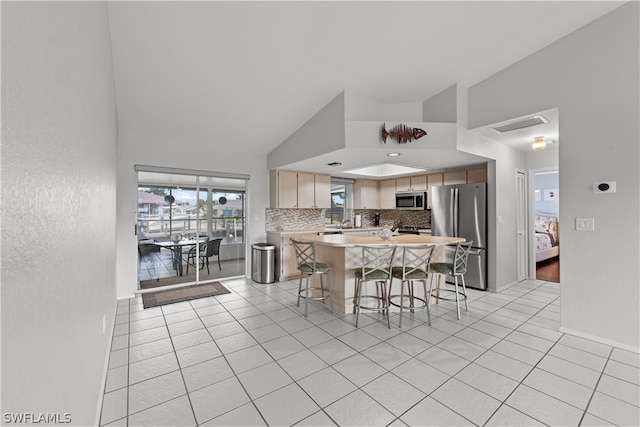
(345, 241)
(319, 230)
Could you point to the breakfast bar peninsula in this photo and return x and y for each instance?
(343, 253)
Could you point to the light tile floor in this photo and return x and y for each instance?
(250, 358)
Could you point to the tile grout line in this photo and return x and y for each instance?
(175, 352)
(261, 346)
(358, 388)
(222, 354)
(593, 393)
(335, 335)
(522, 383)
(473, 361)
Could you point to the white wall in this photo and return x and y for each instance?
(501, 206)
(442, 107)
(215, 156)
(361, 108)
(58, 207)
(592, 76)
(322, 133)
(545, 182)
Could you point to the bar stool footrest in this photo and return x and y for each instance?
(423, 302)
(434, 293)
(372, 297)
(325, 294)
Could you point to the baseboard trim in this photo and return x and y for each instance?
(503, 287)
(601, 340)
(105, 370)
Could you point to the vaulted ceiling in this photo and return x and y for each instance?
(250, 73)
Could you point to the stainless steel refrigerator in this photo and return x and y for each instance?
(461, 211)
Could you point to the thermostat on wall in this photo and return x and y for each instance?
(604, 187)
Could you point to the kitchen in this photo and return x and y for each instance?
(365, 210)
(389, 183)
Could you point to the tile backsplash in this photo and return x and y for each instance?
(287, 219)
(291, 219)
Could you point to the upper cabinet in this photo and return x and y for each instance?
(388, 194)
(455, 177)
(304, 190)
(322, 191)
(477, 175)
(412, 183)
(290, 189)
(284, 189)
(465, 176)
(366, 194)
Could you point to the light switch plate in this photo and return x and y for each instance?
(585, 224)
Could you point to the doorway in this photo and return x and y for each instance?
(546, 225)
(191, 227)
(521, 228)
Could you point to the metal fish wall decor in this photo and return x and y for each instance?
(401, 133)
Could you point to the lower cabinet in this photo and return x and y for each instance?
(286, 267)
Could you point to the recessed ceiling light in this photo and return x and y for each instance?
(393, 154)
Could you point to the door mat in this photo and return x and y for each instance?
(187, 293)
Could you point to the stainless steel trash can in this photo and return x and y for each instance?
(263, 262)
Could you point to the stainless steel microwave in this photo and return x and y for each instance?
(416, 201)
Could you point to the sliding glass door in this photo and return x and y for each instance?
(191, 228)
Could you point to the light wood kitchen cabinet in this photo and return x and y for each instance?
(433, 180)
(322, 191)
(286, 267)
(455, 177)
(291, 189)
(285, 260)
(284, 189)
(306, 190)
(477, 175)
(366, 194)
(412, 183)
(388, 194)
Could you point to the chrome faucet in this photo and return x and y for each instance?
(344, 222)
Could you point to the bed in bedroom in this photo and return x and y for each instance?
(547, 237)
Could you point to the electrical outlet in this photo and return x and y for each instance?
(585, 224)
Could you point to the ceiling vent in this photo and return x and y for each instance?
(520, 124)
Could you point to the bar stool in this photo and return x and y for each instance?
(307, 266)
(376, 267)
(456, 268)
(415, 266)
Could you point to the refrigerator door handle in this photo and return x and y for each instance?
(451, 213)
(454, 202)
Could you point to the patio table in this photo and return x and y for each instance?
(176, 249)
